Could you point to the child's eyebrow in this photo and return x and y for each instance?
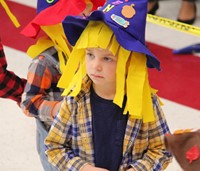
(88, 49)
(109, 54)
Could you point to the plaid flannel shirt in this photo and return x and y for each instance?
(11, 86)
(41, 93)
(70, 143)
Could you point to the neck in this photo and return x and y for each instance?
(104, 92)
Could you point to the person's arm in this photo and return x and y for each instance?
(11, 86)
(156, 157)
(36, 99)
(58, 142)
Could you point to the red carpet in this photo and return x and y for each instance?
(10, 35)
(178, 81)
(179, 78)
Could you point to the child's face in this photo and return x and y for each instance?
(101, 66)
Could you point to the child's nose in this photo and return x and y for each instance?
(97, 65)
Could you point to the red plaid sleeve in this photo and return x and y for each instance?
(3, 63)
(11, 86)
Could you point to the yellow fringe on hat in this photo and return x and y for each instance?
(41, 45)
(56, 38)
(11, 16)
(57, 35)
(139, 102)
(131, 74)
(121, 75)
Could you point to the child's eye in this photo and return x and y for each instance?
(107, 59)
(89, 55)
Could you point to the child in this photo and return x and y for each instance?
(41, 98)
(11, 86)
(110, 118)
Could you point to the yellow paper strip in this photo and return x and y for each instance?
(12, 17)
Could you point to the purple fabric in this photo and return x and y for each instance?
(131, 36)
(43, 4)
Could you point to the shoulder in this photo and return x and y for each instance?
(82, 100)
(84, 91)
(47, 59)
(82, 97)
(157, 106)
(49, 56)
(156, 100)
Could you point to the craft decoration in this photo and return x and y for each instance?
(119, 20)
(117, 2)
(193, 154)
(181, 131)
(128, 11)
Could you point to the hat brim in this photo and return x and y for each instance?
(74, 26)
(53, 15)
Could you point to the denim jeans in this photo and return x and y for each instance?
(41, 134)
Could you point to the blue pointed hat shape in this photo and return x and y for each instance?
(126, 18)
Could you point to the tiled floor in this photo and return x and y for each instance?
(17, 134)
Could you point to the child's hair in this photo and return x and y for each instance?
(134, 83)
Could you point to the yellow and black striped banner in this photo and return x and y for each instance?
(165, 22)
